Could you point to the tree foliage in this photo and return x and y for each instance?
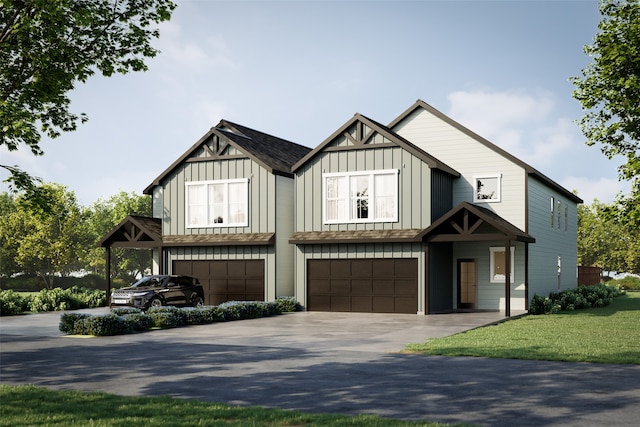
(46, 243)
(48, 46)
(609, 88)
(63, 239)
(607, 239)
(105, 215)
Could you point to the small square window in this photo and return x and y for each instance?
(487, 188)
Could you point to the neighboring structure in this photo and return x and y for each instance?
(426, 216)
(420, 216)
(225, 208)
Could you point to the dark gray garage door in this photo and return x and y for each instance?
(363, 285)
(226, 280)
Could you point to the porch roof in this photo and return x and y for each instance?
(238, 239)
(469, 222)
(356, 236)
(134, 232)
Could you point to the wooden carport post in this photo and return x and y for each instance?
(108, 272)
(507, 278)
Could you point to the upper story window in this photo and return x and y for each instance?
(487, 188)
(221, 203)
(370, 196)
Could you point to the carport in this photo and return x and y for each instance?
(134, 232)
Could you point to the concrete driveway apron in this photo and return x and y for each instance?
(323, 362)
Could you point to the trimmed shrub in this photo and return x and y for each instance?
(68, 322)
(194, 316)
(137, 322)
(631, 283)
(12, 303)
(178, 313)
(108, 324)
(164, 319)
(123, 311)
(288, 304)
(59, 299)
(124, 320)
(575, 299)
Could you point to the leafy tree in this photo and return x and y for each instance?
(104, 216)
(8, 247)
(47, 243)
(606, 238)
(609, 89)
(47, 47)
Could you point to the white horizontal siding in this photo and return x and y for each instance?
(551, 241)
(470, 158)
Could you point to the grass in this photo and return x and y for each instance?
(31, 406)
(601, 335)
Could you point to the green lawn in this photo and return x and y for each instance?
(36, 406)
(602, 335)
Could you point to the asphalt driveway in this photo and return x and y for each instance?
(324, 362)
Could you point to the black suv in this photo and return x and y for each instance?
(159, 290)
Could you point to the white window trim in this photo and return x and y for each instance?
(209, 223)
(492, 277)
(498, 199)
(371, 174)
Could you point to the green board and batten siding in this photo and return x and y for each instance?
(270, 209)
(414, 181)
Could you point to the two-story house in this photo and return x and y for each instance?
(419, 216)
(425, 216)
(222, 212)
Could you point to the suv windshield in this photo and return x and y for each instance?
(148, 281)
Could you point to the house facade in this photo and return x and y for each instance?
(424, 216)
(226, 212)
(418, 216)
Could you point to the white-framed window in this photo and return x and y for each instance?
(487, 188)
(223, 203)
(498, 265)
(369, 196)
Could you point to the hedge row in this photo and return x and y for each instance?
(575, 299)
(129, 320)
(12, 303)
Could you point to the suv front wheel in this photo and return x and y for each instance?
(155, 303)
(196, 300)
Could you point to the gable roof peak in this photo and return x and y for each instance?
(275, 154)
(531, 171)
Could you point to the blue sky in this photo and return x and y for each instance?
(300, 69)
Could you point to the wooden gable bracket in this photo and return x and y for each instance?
(362, 136)
(465, 229)
(134, 234)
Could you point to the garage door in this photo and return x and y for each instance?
(237, 280)
(363, 285)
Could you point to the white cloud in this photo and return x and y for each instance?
(486, 111)
(523, 124)
(603, 189)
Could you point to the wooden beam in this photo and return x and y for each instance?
(507, 278)
(107, 270)
(426, 278)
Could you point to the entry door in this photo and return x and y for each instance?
(466, 283)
